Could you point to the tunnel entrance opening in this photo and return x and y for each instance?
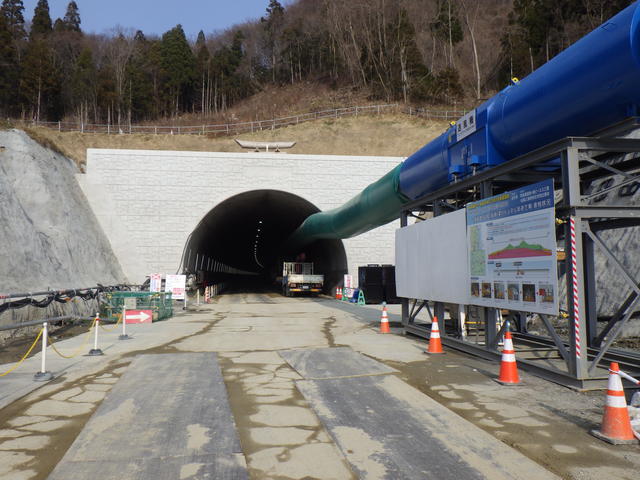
(240, 243)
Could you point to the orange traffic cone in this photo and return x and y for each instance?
(435, 345)
(384, 320)
(508, 368)
(338, 293)
(616, 425)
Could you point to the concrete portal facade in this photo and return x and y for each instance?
(148, 201)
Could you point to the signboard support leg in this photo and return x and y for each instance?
(124, 335)
(490, 331)
(462, 318)
(438, 311)
(405, 311)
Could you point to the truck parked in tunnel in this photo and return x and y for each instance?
(298, 277)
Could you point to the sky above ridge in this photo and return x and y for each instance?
(158, 16)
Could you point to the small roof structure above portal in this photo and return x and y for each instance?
(266, 146)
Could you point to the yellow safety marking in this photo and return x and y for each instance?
(80, 348)
(25, 355)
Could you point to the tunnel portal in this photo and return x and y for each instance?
(241, 241)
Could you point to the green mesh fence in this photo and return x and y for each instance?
(159, 303)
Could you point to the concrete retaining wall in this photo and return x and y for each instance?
(148, 202)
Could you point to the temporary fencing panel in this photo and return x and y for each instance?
(160, 303)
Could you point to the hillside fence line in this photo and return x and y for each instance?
(251, 126)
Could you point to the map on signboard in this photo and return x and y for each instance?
(512, 250)
(477, 257)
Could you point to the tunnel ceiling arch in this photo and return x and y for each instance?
(248, 232)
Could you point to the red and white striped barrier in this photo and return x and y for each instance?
(574, 270)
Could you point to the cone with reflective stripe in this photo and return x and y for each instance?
(435, 345)
(338, 293)
(508, 368)
(384, 320)
(616, 425)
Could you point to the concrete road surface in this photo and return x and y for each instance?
(313, 390)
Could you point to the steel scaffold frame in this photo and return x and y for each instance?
(584, 162)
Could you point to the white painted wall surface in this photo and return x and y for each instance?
(149, 201)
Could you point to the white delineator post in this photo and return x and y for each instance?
(45, 339)
(95, 351)
(124, 335)
(43, 375)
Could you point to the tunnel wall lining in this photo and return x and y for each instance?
(149, 201)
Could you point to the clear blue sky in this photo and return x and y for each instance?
(158, 16)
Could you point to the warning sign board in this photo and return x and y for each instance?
(155, 282)
(176, 285)
(139, 316)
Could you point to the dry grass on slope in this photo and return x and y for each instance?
(386, 135)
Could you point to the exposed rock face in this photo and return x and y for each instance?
(49, 236)
(624, 244)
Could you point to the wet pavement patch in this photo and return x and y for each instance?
(315, 363)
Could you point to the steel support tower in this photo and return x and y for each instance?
(589, 169)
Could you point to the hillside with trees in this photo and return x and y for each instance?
(419, 52)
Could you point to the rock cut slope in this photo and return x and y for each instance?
(50, 237)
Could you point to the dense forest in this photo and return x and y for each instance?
(414, 51)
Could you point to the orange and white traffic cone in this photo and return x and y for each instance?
(338, 293)
(435, 344)
(508, 367)
(384, 320)
(616, 425)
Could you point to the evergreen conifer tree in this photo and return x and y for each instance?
(179, 69)
(140, 74)
(72, 18)
(203, 61)
(12, 10)
(41, 23)
(8, 69)
(59, 26)
(83, 84)
(39, 87)
(273, 25)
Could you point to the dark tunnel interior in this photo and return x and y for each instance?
(241, 240)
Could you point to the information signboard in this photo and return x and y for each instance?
(511, 246)
(155, 282)
(176, 285)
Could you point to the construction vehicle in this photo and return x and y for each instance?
(298, 277)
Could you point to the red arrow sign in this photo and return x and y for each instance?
(139, 316)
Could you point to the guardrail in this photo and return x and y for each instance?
(251, 126)
(431, 114)
(43, 333)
